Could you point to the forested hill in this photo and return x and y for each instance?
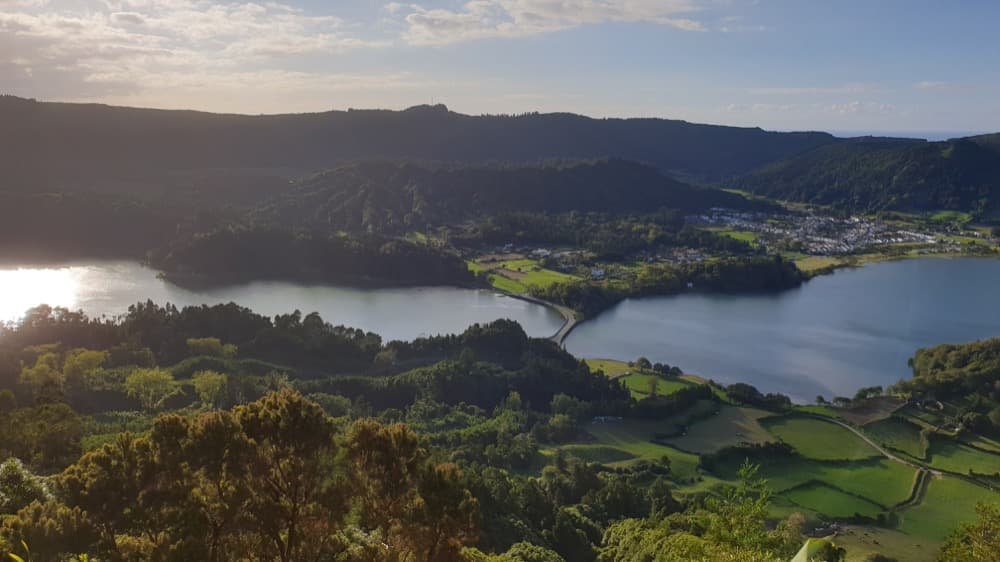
(391, 197)
(869, 174)
(58, 145)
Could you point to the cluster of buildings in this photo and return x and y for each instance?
(811, 234)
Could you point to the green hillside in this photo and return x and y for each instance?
(870, 174)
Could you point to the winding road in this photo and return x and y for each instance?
(879, 448)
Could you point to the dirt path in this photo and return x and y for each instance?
(879, 448)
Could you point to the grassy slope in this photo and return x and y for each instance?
(831, 501)
(949, 501)
(610, 367)
(819, 439)
(732, 426)
(639, 384)
(898, 434)
(953, 457)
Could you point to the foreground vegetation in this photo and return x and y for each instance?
(210, 433)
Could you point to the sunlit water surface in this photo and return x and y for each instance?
(109, 288)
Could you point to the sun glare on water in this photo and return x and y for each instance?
(21, 289)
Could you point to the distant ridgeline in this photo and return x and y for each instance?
(870, 174)
(396, 198)
(58, 145)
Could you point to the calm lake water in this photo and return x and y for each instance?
(835, 334)
(109, 288)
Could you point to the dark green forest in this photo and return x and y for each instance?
(869, 175)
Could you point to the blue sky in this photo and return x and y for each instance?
(841, 65)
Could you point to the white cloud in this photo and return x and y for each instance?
(860, 107)
(109, 47)
(940, 86)
(483, 19)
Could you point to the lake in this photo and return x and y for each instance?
(839, 332)
(109, 288)
(833, 335)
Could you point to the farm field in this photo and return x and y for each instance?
(818, 439)
(731, 426)
(982, 442)
(635, 438)
(882, 481)
(947, 499)
(897, 434)
(518, 274)
(861, 542)
(815, 263)
(831, 501)
(610, 367)
(954, 457)
(640, 384)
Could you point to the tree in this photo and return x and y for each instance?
(44, 372)
(210, 386)
(295, 505)
(643, 363)
(151, 387)
(978, 541)
(82, 365)
(654, 386)
(212, 347)
(19, 487)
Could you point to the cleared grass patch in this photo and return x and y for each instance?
(862, 541)
(948, 503)
(636, 438)
(640, 384)
(954, 457)
(505, 284)
(610, 367)
(818, 439)
(731, 426)
(741, 235)
(816, 263)
(598, 453)
(830, 501)
(881, 481)
(897, 434)
(982, 442)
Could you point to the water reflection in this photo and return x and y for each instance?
(109, 288)
(21, 289)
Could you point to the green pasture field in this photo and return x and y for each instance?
(731, 426)
(831, 501)
(951, 216)
(949, 455)
(898, 434)
(516, 276)
(982, 442)
(881, 481)
(598, 453)
(610, 367)
(814, 263)
(949, 501)
(639, 384)
(818, 439)
(635, 437)
(505, 284)
(863, 541)
(741, 235)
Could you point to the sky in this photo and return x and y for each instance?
(837, 65)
